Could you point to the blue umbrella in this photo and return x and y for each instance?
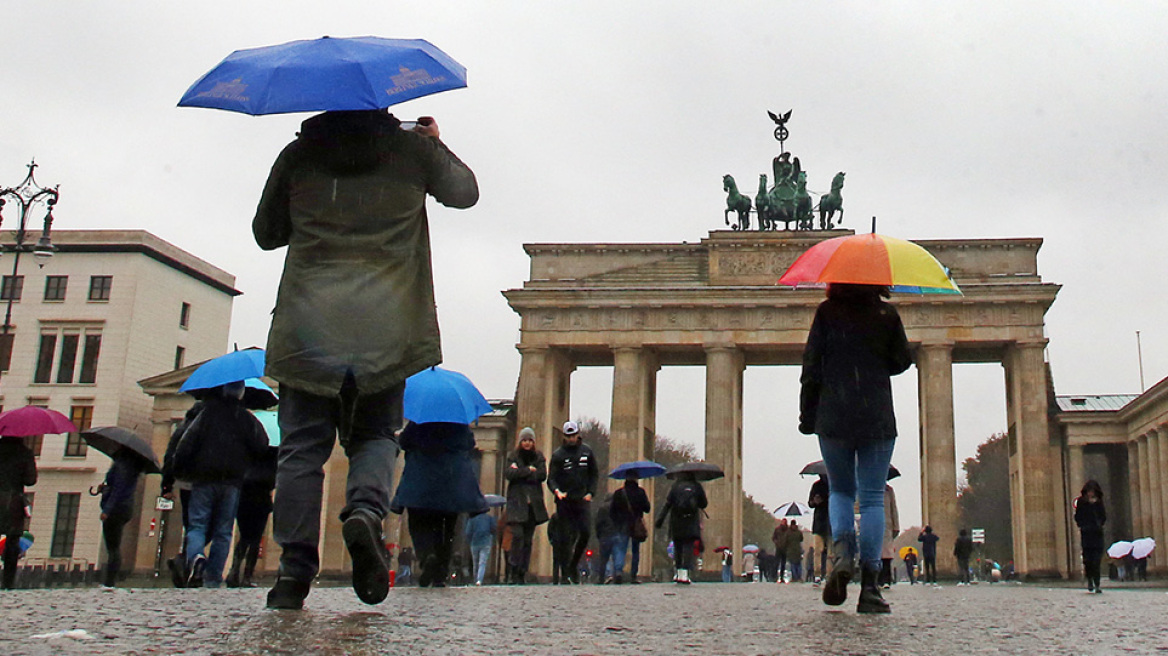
(437, 394)
(495, 500)
(643, 469)
(230, 368)
(269, 420)
(326, 74)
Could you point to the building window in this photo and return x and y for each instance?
(82, 418)
(61, 348)
(184, 316)
(34, 444)
(180, 354)
(12, 288)
(65, 525)
(6, 339)
(99, 287)
(55, 287)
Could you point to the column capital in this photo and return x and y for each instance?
(1030, 343)
(946, 345)
(719, 346)
(524, 349)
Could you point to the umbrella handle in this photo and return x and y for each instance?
(93, 492)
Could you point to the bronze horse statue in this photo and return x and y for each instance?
(736, 202)
(831, 202)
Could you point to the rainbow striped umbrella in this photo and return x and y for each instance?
(870, 259)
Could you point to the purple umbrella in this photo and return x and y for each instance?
(34, 420)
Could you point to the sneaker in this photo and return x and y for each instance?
(363, 538)
(288, 594)
(195, 578)
(178, 571)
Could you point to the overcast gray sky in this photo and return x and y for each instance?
(614, 121)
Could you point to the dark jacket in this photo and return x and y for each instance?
(683, 525)
(525, 487)
(17, 470)
(629, 503)
(439, 473)
(1090, 517)
(121, 481)
(573, 471)
(928, 544)
(480, 530)
(963, 547)
(853, 350)
(168, 477)
(818, 499)
(605, 527)
(219, 445)
(348, 199)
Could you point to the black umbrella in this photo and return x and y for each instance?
(111, 439)
(702, 471)
(819, 469)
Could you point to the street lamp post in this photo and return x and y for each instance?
(26, 195)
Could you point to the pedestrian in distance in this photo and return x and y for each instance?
(525, 471)
(606, 537)
(630, 503)
(18, 470)
(779, 539)
(251, 518)
(910, 566)
(928, 540)
(817, 499)
(170, 484)
(856, 344)
(683, 507)
(727, 565)
(750, 567)
(891, 530)
(794, 548)
(214, 454)
(572, 477)
(438, 483)
(355, 317)
(1090, 516)
(962, 551)
(480, 537)
(559, 536)
(117, 508)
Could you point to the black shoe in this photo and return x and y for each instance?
(178, 571)
(195, 578)
(362, 534)
(871, 601)
(288, 594)
(835, 590)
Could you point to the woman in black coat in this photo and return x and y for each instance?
(856, 344)
(683, 507)
(525, 471)
(1090, 516)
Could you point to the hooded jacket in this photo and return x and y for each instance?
(348, 199)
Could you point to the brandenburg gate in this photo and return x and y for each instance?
(640, 307)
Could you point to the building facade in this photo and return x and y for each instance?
(110, 308)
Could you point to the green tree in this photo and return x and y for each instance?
(984, 501)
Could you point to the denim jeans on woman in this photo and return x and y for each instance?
(858, 471)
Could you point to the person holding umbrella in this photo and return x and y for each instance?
(683, 507)
(820, 524)
(1090, 516)
(856, 344)
(117, 507)
(18, 470)
(525, 471)
(629, 505)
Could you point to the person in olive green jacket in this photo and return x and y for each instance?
(355, 316)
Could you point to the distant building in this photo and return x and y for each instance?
(109, 309)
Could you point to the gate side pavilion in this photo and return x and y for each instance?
(638, 307)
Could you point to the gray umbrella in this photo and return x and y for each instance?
(112, 439)
(820, 469)
(702, 471)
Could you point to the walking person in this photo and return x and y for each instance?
(630, 503)
(856, 344)
(962, 550)
(779, 539)
(606, 537)
(480, 537)
(117, 508)
(891, 530)
(170, 483)
(572, 476)
(525, 472)
(18, 470)
(214, 454)
(355, 316)
(794, 549)
(928, 540)
(251, 518)
(559, 536)
(910, 566)
(817, 499)
(438, 482)
(1090, 516)
(683, 506)
(727, 565)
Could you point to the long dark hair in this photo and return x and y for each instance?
(1092, 486)
(853, 293)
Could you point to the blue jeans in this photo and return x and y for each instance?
(481, 554)
(727, 574)
(212, 516)
(858, 472)
(620, 545)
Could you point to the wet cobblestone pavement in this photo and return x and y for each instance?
(714, 618)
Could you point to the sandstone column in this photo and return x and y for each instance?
(1155, 490)
(938, 449)
(1076, 477)
(1162, 437)
(1146, 524)
(1135, 492)
(634, 385)
(724, 368)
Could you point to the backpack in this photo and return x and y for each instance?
(687, 501)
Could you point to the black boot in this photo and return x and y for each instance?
(835, 589)
(232, 579)
(871, 601)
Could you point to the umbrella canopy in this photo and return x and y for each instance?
(495, 500)
(870, 259)
(792, 509)
(441, 395)
(721, 549)
(33, 420)
(326, 74)
(269, 419)
(818, 468)
(904, 551)
(750, 548)
(1119, 549)
(112, 439)
(702, 471)
(26, 540)
(642, 468)
(1142, 547)
(257, 395)
(230, 368)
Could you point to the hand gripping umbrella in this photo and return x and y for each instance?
(112, 439)
(33, 420)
